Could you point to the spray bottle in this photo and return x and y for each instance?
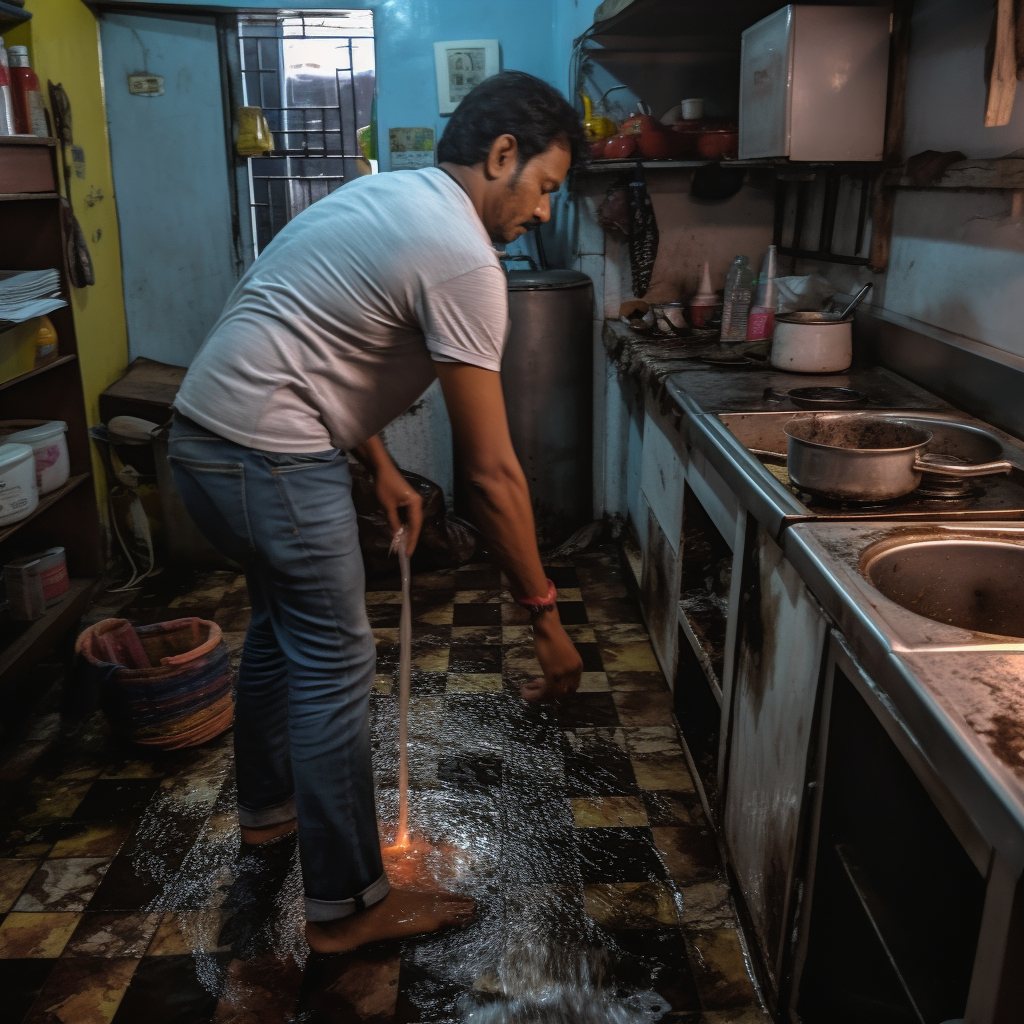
(761, 322)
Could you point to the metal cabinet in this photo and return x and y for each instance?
(908, 910)
(780, 643)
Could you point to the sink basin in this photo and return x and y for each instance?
(973, 584)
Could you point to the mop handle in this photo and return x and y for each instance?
(404, 686)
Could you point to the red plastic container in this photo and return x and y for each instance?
(718, 144)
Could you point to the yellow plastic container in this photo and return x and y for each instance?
(45, 339)
(254, 137)
(18, 350)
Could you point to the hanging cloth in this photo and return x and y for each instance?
(643, 232)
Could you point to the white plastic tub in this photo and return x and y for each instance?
(19, 494)
(53, 467)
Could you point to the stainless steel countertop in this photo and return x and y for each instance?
(960, 695)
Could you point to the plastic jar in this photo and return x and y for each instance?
(53, 467)
(19, 494)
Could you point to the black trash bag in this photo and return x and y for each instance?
(445, 540)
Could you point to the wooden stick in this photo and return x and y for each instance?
(1003, 79)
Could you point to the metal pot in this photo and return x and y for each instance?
(812, 342)
(866, 458)
(670, 317)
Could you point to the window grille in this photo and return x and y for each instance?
(313, 74)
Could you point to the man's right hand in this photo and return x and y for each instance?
(558, 658)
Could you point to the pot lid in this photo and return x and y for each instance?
(545, 280)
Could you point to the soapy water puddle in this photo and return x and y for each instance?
(503, 836)
(471, 799)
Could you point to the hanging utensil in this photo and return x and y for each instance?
(79, 261)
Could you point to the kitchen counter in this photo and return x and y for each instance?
(960, 699)
(676, 368)
(961, 693)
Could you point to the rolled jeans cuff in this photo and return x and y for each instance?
(266, 817)
(335, 910)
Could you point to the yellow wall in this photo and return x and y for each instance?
(64, 46)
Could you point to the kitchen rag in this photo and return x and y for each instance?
(643, 232)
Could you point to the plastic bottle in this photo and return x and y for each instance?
(45, 339)
(761, 322)
(29, 112)
(7, 123)
(739, 291)
(705, 302)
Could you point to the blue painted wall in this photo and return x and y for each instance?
(169, 156)
(170, 164)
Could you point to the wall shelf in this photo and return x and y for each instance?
(24, 646)
(28, 374)
(1003, 174)
(8, 197)
(32, 238)
(45, 502)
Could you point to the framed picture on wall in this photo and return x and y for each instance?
(460, 65)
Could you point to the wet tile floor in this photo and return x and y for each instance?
(125, 897)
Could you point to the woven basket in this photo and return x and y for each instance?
(167, 685)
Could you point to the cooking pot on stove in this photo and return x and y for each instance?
(812, 342)
(850, 457)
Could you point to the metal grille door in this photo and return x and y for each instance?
(313, 75)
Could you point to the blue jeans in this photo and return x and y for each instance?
(302, 739)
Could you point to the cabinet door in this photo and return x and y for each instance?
(780, 648)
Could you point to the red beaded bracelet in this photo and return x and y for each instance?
(540, 604)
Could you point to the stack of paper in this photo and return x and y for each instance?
(28, 293)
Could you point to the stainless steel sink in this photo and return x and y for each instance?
(976, 585)
(922, 587)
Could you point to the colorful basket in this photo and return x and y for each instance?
(167, 685)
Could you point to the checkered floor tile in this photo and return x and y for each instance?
(125, 897)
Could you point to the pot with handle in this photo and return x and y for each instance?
(812, 342)
(850, 457)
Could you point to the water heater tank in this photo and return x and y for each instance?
(547, 376)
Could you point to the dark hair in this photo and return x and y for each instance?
(512, 103)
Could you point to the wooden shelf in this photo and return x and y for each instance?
(45, 502)
(26, 646)
(59, 361)
(685, 19)
(7, 197)
(9, 325)
(30, 213)
(26, 140)
(1005, 174)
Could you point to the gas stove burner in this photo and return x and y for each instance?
(827, 398)
(935, 485)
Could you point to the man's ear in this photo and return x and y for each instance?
(502, 158)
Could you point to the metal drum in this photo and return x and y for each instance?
(547, 376)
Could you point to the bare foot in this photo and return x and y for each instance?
(400, 914)
(255, 836)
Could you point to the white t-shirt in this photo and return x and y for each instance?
(331, 333)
